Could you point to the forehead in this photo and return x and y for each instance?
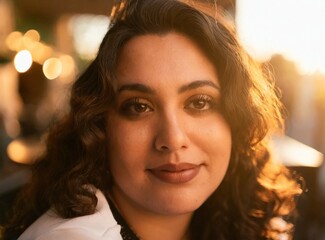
(150, 45)
(171, 55)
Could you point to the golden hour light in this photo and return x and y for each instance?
(293, 153)
(14, 41)
(88, 30)
(23, 61)
(295, 29)
(52, 68)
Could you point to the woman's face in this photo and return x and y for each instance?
(169, 143)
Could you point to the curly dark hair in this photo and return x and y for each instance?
(255, 190)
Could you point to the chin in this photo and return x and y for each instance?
(177, 205)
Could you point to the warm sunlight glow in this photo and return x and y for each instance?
(295, 29)
(88, 32)
(52, 68)
(23, 61)
(294, 153)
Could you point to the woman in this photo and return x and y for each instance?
(165, 139)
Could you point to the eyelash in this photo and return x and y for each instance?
(197, 104)
(206, 103)
(135, 107)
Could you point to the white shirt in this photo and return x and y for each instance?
(98, 226)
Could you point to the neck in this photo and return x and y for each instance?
(161, 228)
(148, 225)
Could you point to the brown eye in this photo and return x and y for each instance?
(135, 106)
(200, 103)
(140, 107)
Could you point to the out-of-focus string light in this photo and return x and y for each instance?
(33, 35)
(23, 61)
(68, 68)
(29, 48)
(52, 68)
(41, 52)
(30, 40)
(24, 151)
(28, 43)
(17, 41)
(18, 152)
(14, 41)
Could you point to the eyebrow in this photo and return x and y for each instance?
(136, 87)
(198, 84)
(146, 89)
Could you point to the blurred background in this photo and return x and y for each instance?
(44, 45)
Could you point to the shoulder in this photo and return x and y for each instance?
(100, 225)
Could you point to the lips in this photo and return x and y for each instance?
(176, 173)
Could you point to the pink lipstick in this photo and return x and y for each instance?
(176, 173)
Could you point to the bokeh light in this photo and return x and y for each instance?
(68, 67)
(33, 35)
(52, 68)
(41, 52)
(18, 152)
(25, 151)
(14, 41)
(23, 61)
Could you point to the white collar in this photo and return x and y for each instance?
(100, 225)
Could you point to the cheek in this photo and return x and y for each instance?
(127, 142)
(215, 139)
(215, 135)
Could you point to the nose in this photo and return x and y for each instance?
(171, 135)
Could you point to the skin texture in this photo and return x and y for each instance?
(102, 122)
(167, 111)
